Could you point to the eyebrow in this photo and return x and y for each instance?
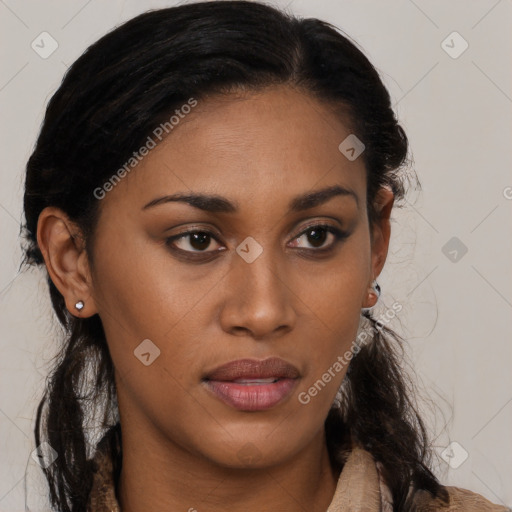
(219, 204)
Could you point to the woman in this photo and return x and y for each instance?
(211, 195)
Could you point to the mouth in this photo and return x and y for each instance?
(252, 385)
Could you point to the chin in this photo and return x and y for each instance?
(252, 452)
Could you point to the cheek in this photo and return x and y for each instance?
(329, 354)
(144, 294)
(334, 300)
(136, 282)
(334, 293)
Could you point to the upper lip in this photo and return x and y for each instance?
(254, 369)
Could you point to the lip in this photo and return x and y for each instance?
(252, 396)
(255, 369)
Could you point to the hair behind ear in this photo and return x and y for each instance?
(377, 411)
(81, 382)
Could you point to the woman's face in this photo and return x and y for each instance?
(262, 283)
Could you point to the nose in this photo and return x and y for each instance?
(258, 299)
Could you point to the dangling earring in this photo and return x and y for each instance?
(79, 305)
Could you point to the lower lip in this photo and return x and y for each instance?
(251, 397)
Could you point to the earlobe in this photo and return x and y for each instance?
(61, 245)
(372, 296)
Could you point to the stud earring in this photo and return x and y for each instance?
(79, 305)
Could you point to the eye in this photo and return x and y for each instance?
(197, 242)
(192, 241)
(317, 234)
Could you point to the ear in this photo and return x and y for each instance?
(61, 244)
(380, 234)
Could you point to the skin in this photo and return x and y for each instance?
(259, 150)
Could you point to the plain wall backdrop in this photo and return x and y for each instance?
(449, 260)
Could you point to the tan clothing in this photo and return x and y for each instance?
(360, 488)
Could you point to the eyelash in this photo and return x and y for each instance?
(338, 234)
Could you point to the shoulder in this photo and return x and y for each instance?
(461, 500)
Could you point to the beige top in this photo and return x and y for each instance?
(360, 488)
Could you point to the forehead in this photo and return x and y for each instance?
(253, 146)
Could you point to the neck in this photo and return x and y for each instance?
(160, 475)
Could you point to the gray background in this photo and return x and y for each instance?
(456, 312)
